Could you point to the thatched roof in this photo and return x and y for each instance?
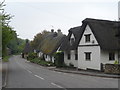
(51, 43)
(105, 32)
(66, 44)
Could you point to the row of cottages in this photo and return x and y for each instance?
(91, 45)
(51, 44)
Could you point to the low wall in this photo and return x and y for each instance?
(112, 68)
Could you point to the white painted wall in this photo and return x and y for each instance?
(40, 54)
(48, 58)
(72, 36)
(105, 57)
(94, 63)
(72, 59)
(88, 31)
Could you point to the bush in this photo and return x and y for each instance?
(41, 62)
(32, 56)
(59, 59)
(116, 62)
(5, 58)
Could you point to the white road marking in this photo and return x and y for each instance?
(29, 71)
(58, 72)
(39, 77)
(57, 85)
(64, 73)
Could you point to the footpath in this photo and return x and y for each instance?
(85, 72)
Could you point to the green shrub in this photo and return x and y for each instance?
(59, 59)
(32, 56)
(41, 62)
(5, 58)
(116, 62)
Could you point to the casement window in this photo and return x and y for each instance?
(69, 56)
(87, 37)
(76, 55)
(87, 56)
(72, 40)
(111, 56)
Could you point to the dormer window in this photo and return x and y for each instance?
(72, 40)
(87, 37)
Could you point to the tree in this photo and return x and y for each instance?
(7, 32)
(38, 38)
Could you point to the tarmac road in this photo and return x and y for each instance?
(24, 74)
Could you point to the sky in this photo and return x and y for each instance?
(34, 16)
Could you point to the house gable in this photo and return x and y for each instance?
(88, 32)
(72, 36)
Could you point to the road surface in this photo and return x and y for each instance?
(23, 74)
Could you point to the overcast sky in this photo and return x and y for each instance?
(34, 16)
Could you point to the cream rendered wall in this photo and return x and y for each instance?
(72, 59)
(94, 63)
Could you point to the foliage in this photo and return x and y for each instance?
(59, 59)
(5, 59)
(9, 36)
(38, 38)
(116, 62)
(32, 56)
(7, 32)
(41, 62)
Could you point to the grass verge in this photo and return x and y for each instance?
(5, 59)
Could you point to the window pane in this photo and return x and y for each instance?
(88, 55)
(87, 38)
(111, 56)
(69, 56)
(76, 56)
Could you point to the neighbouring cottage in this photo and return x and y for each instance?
(95, 43)
(70, 46)
(50, 44)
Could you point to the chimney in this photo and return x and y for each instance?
(59, 31)
(52, 30)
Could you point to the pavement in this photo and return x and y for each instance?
(84, 72)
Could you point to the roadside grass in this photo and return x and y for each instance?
(41, 62)
(5, 59)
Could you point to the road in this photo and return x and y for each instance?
(23, 74)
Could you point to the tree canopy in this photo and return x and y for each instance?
(8, 35)
(38, 38)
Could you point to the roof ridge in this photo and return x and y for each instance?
(92, 19)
